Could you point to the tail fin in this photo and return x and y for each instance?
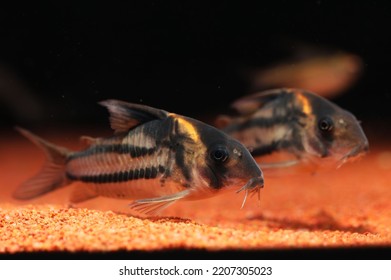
(52, 175)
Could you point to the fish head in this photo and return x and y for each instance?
(230, 164)
(332, 132)
(226, 163)
(349, 140)
(210, 159)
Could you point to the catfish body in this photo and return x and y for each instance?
(298, 122)
(155, 157)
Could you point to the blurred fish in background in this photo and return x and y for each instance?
(301, 123)
(284, 117)
(17, 100)
(326, 71)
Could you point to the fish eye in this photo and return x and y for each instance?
(325, 124)
(219, 154)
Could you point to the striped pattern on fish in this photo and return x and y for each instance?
(298, 122)
(154, 156)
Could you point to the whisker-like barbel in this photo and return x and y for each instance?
(253, 185)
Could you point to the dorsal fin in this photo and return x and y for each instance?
(125, 116)
(250, 104)
(87, 141)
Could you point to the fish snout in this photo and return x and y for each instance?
(365, 147)
(258, 181)
(360, 150)
(253, 184)
(355, 153)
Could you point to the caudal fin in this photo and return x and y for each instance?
(51, 176)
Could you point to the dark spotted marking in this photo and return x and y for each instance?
(147, 174)
(121, 176)
(134, 151)
(136, 173)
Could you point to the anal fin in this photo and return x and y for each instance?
(82, 193)
(155, 205)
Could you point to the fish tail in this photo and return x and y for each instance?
(52, 175)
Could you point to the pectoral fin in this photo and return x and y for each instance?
(157, 204)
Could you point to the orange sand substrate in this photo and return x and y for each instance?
(348, 207)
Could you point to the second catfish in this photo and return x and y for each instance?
(298, 122)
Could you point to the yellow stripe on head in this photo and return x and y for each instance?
(187, 127)
(305, 103)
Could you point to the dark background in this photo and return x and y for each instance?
(181, 57)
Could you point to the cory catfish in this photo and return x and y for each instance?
(154, 157)
(298, 122)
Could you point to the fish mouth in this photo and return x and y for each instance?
(353, 154)
(253, 186)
